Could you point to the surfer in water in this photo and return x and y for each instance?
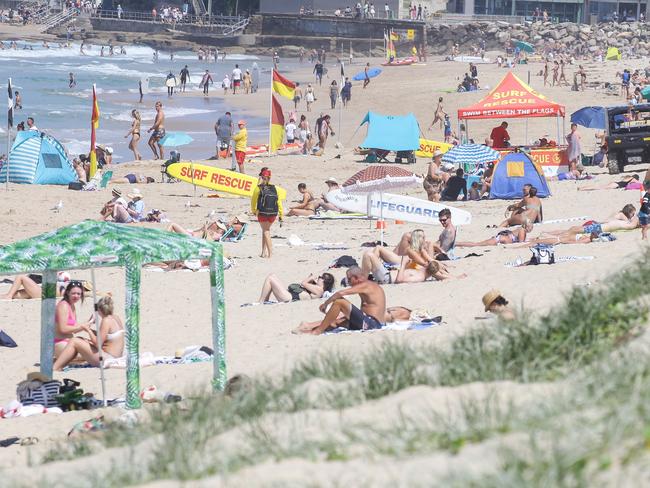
(72, 83)
(157, 132)
(171, 83)
(185, 77)
(205, 82)
(140, 90)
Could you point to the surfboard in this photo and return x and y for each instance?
(397, 207)
(170, 83)
(372, 72)
(217, 179)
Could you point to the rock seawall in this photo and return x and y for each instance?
(631, 37)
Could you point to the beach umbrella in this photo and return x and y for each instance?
(380, 179)
(175, 139)
(525, 46)
(590, 117)
(471, 154)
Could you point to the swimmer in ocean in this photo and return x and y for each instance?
(72, 82)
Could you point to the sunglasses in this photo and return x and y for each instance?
(76, 283)
(443, 219)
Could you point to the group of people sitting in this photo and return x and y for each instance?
(443, 182)
(310, 204)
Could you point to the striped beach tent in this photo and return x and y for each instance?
(36, 158)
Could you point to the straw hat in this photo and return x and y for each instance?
(332, 180)
(36, 376)
(489, 298)
(136, 193)
(117, 192)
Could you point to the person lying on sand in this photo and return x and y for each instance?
(111, 333)
(370, 316)
(25, 287)
(627, 181)
(623, 220)
(212, 231)
(311, 287)
(307, 206)
(133, 178)
(408, 272)
(528, 208)
(506, 236)
(494, 302)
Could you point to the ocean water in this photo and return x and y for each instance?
(41, 76)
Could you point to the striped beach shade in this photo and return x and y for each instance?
(471, 154)
(91, 244)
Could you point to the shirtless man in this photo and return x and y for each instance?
(308, 204)
(157, 131)
(447, 238)
(370, 316)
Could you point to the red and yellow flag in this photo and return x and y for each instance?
(277, 124)
(282, 86)
(94, 124)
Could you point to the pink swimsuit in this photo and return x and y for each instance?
(71, 321)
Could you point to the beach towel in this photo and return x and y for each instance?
(332, 215)
(561, 259)
(397, 326)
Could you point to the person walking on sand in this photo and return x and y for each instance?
(157, 132)
(297, 96)
(185, 77)
(241, 143)
(366, 76)
(334, 94)
(545, 72)
(309, 97)
(246, 78)
(556, 70)
(236, 79)
(324, 129)
(574, 151)
(267, 206)
(224, 129)
(318, 70)
(205, 82)
(134, 132)
(342, 313)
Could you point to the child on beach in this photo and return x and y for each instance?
(644, 211)
(473, 192)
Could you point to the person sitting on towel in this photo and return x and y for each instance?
(342, 313)
(212, 231)
(111, 333)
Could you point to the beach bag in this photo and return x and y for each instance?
(267, 201)
(542, 254)
(344, 261)
(76, 185)
(38, 393)
(6, 341)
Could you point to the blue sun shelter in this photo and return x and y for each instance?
(512, 172)
(38, 159)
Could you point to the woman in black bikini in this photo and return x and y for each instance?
(311, 287)
(614, 185)
(135, 134)
(503, 237)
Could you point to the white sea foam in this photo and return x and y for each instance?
(170, 113)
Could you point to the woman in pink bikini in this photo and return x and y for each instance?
(111, 333)
(65, 319)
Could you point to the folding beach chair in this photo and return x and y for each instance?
(106, 177)
(228, 237)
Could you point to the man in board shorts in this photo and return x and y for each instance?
(370, 316)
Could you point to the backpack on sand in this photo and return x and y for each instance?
(267, 201)
(542, 254)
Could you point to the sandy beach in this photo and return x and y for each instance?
(175, 307)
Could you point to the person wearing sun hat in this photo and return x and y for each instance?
(267, 206)
(494, 302)
(241, 142)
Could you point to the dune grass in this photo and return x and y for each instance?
(573, 340)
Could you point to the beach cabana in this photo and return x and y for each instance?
(91, 244)
(391, 132)
(39, 159)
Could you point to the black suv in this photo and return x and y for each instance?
(628, 136)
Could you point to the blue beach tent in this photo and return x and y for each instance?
(512, 172)
(391, 132)
(39, 159)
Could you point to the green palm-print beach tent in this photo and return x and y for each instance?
(92, 244)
